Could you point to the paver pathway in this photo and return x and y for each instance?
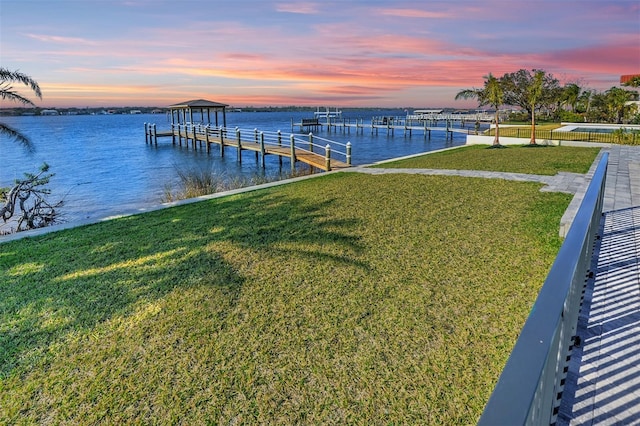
(603, 383)
(561, 182)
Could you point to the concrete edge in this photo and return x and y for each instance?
(142, 210)
(488, 140)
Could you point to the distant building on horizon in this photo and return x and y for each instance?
(627, 78)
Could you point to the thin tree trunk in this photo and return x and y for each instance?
(496, 140)
(533, 128)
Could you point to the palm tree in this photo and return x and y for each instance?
(7, 92)
(492, 94)
(584, 100)
(571, 95)
(616, 103)
(535, 91)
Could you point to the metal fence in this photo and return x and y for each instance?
(530, 386)
(622, 136)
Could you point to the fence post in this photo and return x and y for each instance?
(349, 153)
(327, 157)
(238, 140)
(310, 141)
(262, 148)
(293, 153)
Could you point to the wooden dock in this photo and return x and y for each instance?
(312, 150)
(407, 125)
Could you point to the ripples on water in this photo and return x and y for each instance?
(103, 167)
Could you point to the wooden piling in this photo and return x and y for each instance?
(239, 142)
(327, 157)
(220, 130)
(293, 153)
(279, 145)
(262, 152)
(206, 138)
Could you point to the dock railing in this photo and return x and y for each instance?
(292, 143)
(530, 387)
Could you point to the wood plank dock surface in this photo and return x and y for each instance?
(304, 150)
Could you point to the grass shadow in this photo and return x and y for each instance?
(111, 269)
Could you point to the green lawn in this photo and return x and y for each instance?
(343, 299)
(541, 160)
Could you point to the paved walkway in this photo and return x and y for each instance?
(603, 383)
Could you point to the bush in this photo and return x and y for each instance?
(627, 136)
(196, 183)
(571, 117)
(521, 116)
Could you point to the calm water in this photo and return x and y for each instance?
(103, 167)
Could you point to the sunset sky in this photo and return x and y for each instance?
(348, 53)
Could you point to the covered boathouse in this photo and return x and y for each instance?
(191, 111)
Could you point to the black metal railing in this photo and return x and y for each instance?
(530, 387)
(621, 136)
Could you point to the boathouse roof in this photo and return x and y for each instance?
(198, 103)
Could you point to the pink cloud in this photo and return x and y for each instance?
(46, 38)
(304, 8)
(411, 13)
(241, 57)
(617, 58)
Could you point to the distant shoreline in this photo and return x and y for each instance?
(37, 111)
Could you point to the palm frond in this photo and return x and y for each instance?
(14, 134)
(18, 77)
(7, 92)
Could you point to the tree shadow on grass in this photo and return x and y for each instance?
(70, 281)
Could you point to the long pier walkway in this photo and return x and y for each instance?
(603, 381)
(391, 125)
(309, 149)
